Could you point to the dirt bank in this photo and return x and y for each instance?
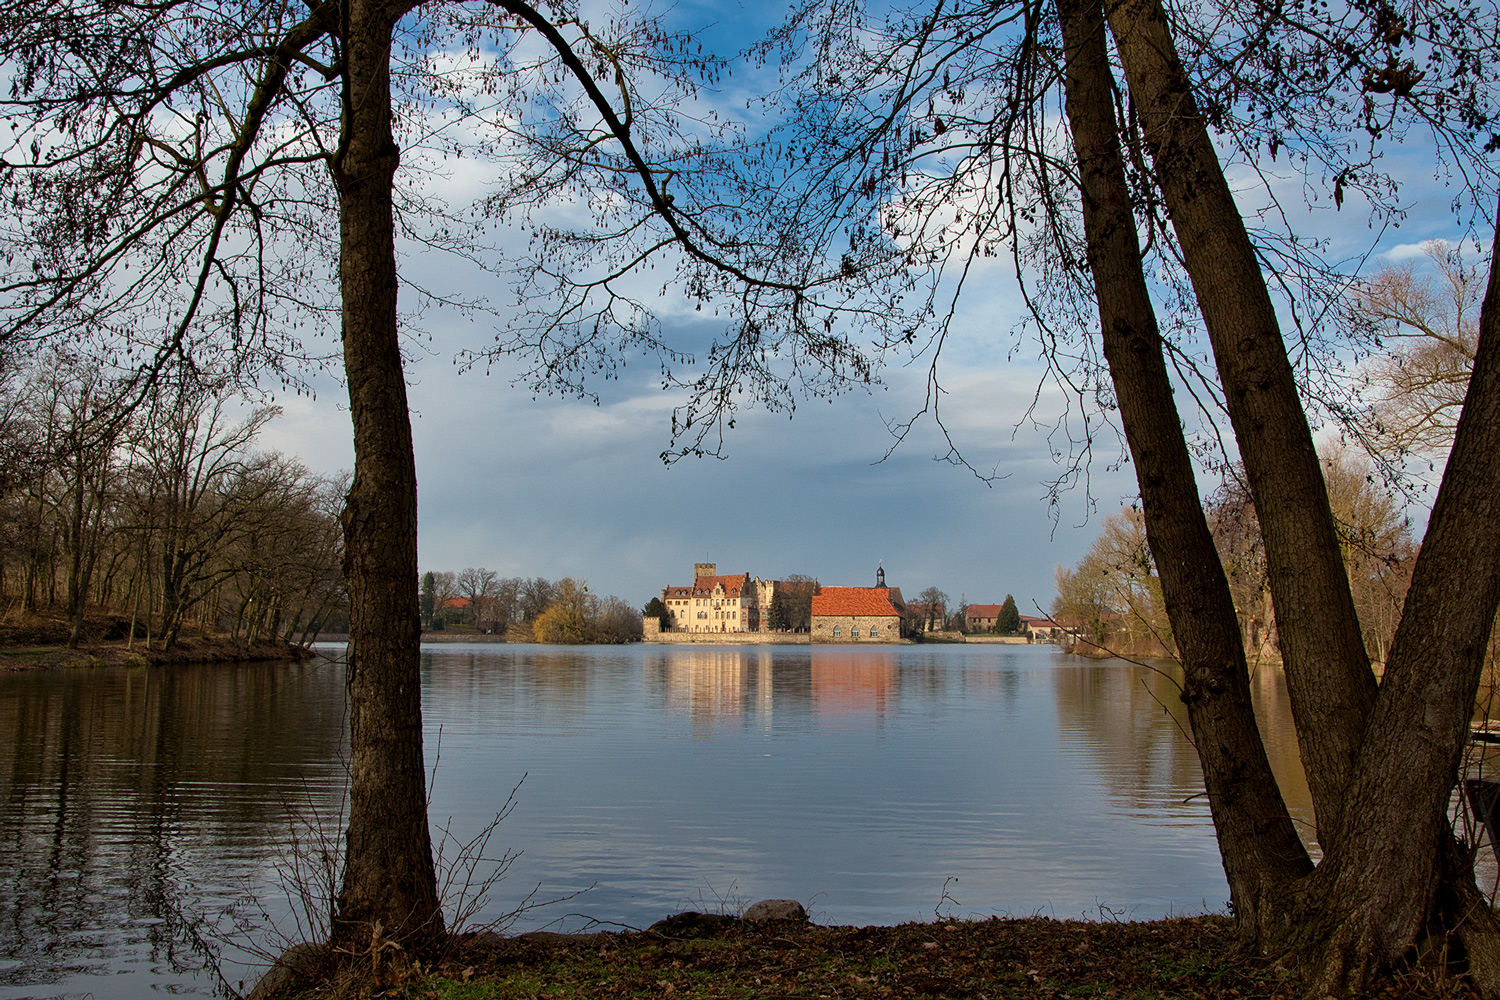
(40, 642)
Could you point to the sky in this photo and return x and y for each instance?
(557, 487)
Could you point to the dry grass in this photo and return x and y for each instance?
(720, 958)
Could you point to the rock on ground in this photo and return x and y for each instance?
(776, 909)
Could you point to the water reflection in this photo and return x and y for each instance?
(855, 682)
(124, 826)
(1131, 725)
(657, 778)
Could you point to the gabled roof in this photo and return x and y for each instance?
(864, 601)
(703, 586)
(985, 610)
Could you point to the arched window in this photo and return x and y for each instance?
(836, 632)
(872, 631)
(854, 632)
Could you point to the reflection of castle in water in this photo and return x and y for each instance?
(754, 684)
(715, 685)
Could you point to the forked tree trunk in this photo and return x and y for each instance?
(1328, 672)
(388, 892)
(1378, 881)
(1261, 849)
(1380, 767)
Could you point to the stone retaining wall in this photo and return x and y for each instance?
(731, 638)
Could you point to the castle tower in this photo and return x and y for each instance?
(880, 576)
(705, 569)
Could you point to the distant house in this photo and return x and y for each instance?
(855, 614)
(982, 617)
(1043, 629)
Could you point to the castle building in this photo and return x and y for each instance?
(717, 603)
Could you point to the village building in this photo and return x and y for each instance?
(717, 603)
(857, 614)
(982, 617)
(1043, 629)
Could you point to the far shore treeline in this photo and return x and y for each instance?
(535, 609)
(134, 514)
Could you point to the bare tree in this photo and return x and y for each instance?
(479, 586)
(1114, 594)
(1426, 328)
(934, 605)
(444, 590)
(940, 119)
(190, 451)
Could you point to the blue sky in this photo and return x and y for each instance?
(556, 487)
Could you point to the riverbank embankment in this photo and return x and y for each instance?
(805, 638)
(40, 642)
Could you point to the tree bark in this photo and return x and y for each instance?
(1261, 849)
(1329, 679)
(1380, 763)
(1376, 886)
(388, 891)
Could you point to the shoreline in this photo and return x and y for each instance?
(39, 642)
(698, 956)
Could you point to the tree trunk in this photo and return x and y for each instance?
(1377, 883)
(75, 598)
(1380, 768)
(1261, 849)
(1328, 672)
(389, 887)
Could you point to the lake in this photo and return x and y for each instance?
(150, 814)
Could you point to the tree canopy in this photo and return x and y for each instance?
(1008, 621)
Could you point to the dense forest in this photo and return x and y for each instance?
(136, 516)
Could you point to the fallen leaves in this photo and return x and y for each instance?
(1034, 959)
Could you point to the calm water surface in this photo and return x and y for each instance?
(148, 813)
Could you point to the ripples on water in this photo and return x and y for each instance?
(874, 785)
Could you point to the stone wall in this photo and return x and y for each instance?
(824, 627)
(729, 638)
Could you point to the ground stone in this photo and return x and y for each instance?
(776, 909)
(300, 961)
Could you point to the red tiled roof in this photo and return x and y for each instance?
(985, 610)
(704, 585)
(865, 601)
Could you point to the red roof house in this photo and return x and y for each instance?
(855, 614)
